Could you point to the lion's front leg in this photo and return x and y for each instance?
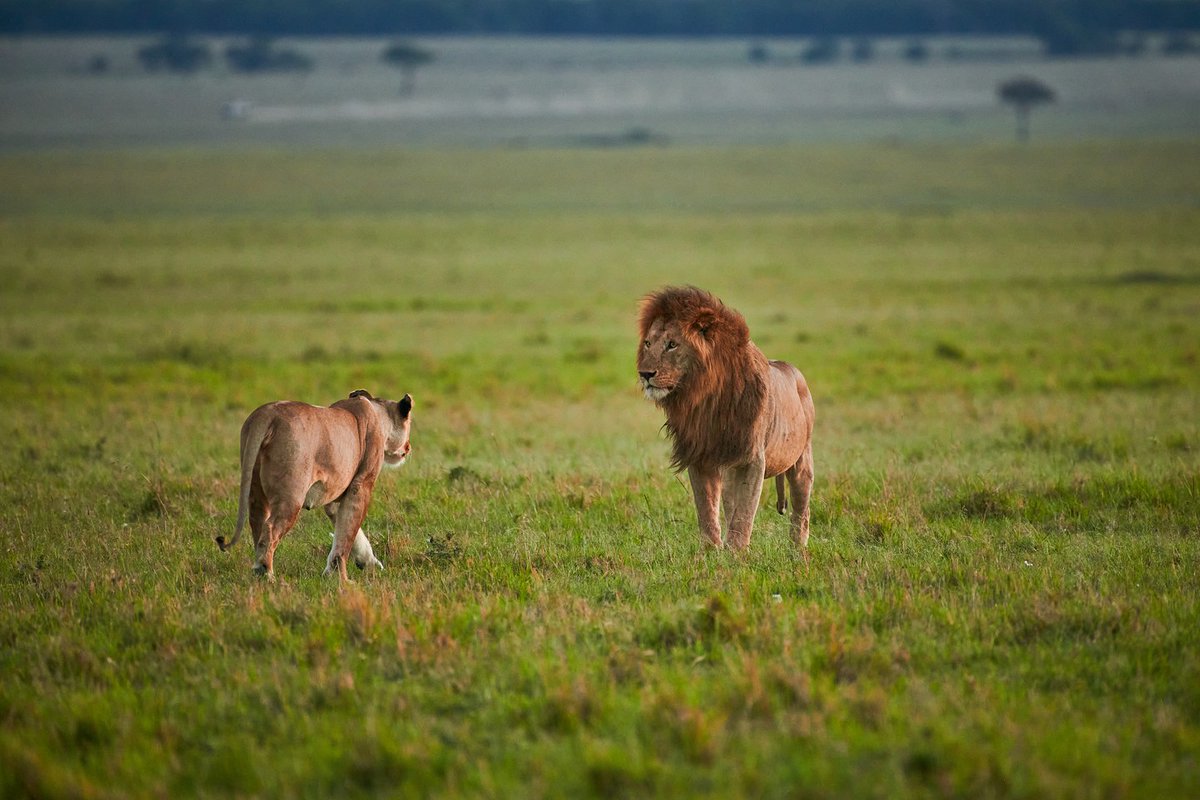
(728, 509)
(706, 493)
(745, 484)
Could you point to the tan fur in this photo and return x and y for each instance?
(734, 417)
(296, 456)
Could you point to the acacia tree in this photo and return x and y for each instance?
(407, 57)
(261, 55)
(1023, 93)
(175, 53)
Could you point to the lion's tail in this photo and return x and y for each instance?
(254, 434)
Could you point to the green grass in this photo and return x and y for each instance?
(1001, 598)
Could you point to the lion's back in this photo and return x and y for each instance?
(787, 431)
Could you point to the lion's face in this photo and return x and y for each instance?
(664, 359)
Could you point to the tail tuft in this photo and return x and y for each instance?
(221, 543)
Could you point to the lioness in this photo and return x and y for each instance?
(296, 456)
(734, 417)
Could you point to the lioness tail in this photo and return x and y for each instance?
(254, 432)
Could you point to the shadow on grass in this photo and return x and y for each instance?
(1078, 505)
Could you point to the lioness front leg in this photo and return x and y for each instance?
(348, 518)
(331, 510)
(360, 549)
(706, 493)
(745, 484)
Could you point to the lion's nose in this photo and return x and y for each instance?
(648, 375)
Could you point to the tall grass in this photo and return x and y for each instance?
(1001, 595)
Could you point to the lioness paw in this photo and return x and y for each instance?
(360, 551)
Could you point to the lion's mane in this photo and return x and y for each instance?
(712, 415)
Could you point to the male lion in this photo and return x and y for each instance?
(298, 456)
(734, 417)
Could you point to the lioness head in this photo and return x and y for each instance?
(396, 451)
(682, 329)
(398, 447)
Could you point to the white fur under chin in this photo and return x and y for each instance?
(360, 552)
(654, 393)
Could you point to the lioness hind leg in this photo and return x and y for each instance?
(278, 526)
(800, 477)
(259, 514)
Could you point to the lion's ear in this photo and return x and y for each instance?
(704, 322)
(361, 393)
(405, 405)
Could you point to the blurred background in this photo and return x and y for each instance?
(974, 224)
(594, 73)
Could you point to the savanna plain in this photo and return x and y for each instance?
(1001, 595)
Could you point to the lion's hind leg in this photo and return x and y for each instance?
(800, 479)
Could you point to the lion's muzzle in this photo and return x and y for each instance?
(650, 389)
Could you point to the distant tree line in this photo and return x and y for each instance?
(1066, 26)
(178, 53)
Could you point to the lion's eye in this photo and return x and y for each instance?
(646, 344)
(671, 345)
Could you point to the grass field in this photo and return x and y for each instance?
(1001, 599)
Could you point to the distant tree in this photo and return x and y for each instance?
(823, 50)
(1132, 44)
(1179, 43)
(97, 64)
(260, 55)
(407, 58)
(174, 53)
(916, 51)
(1023, 93)
(862, 51)
(758, 53)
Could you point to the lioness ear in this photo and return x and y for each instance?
(361, 393)
(405, 405)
